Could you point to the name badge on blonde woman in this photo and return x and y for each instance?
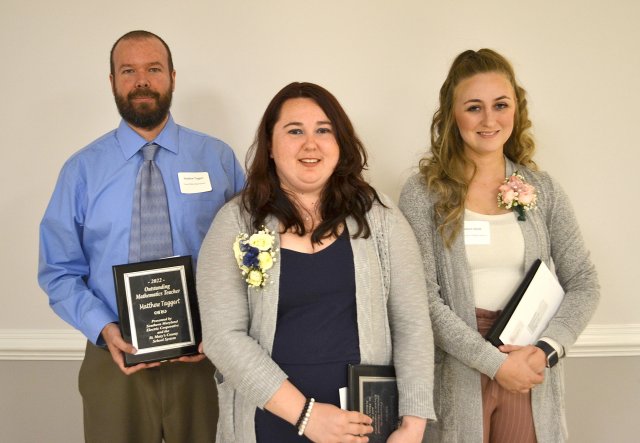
(477, 232)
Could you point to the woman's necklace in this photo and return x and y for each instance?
(310, 215)
(307, 208)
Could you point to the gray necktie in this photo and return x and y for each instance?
(150, 226)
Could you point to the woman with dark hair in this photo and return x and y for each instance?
(309, 270)
(480, 178)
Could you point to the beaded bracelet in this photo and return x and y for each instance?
(304, 409)
(304, 416)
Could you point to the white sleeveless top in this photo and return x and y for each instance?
(497, 263)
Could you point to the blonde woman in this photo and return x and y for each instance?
(479, 137)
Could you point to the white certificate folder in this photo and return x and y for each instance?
(529, 310)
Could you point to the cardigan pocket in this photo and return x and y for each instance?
(557, 379)
(444, 394)
(226, 405)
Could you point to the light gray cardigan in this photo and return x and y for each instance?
(550, 233)
(238, 323)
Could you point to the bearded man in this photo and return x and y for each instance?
(89, 227)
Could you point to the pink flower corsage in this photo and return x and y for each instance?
(517, 194)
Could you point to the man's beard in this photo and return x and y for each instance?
(144, 115)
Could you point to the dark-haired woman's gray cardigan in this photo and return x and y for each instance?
(550, 233)
(239, 323)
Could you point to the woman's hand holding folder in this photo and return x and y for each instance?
(523, 368)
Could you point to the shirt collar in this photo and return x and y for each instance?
(131, 142)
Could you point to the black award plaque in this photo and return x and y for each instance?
(373, 391)
(158, 309)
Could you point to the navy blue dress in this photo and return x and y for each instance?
(317, 332)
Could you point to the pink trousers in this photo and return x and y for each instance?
(507, 417)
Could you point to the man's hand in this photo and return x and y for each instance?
(112, 337)
(192, 358)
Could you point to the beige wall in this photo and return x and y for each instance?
(384, 60)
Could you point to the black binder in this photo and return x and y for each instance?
(493, 336)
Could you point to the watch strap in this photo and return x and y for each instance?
(549, 351)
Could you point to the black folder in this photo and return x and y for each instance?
(493, 336)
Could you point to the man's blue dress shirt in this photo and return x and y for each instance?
(85, 229)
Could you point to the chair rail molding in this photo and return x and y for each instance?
(598, 340)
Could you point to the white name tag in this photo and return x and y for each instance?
(477, 232)
(194, 182)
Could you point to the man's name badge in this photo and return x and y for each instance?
(194, 182)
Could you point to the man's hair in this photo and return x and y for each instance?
(139, 35)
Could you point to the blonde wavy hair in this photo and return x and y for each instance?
(444, 167)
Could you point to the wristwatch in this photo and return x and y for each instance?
(550, 352)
